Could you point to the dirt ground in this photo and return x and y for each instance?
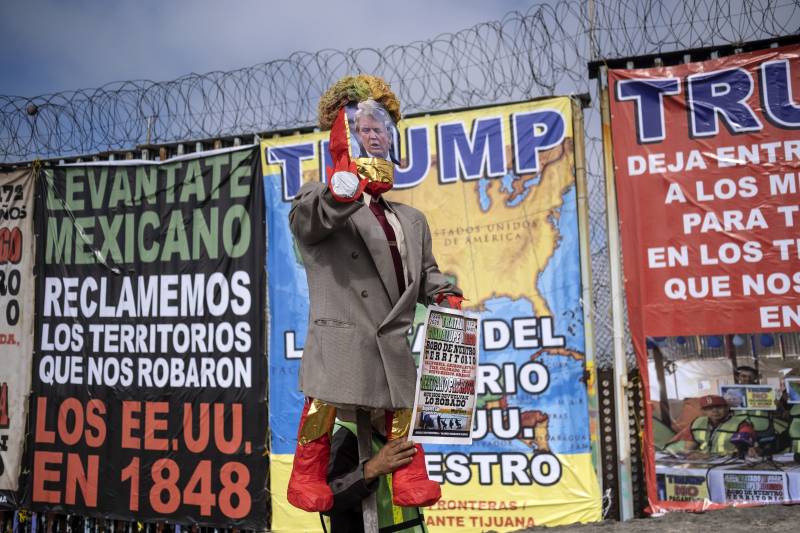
(772, 519)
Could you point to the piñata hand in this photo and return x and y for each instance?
(346, 186)
(451, 301)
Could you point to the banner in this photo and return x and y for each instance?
(498, 189)
(16, 323)
(149, 389)
(706, 157)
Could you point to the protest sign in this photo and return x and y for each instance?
(444, 406)
(749, 397)
(755, 487)
(705, 162)
(16, 322)
(149, 378)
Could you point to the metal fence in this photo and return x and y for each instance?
(540, 52)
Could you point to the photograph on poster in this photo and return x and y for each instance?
(373, 133)
(726, 425)
(749, 397)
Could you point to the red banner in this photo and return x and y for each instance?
(707, 163)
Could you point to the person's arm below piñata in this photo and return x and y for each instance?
(346, 474)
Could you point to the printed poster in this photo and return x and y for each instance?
(148, 398)
(752, 487)
(750, 397)
(444, 406)
(706, 157)
(685, 488)
(16, 323)
(497, 186)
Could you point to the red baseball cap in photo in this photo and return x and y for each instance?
(712, 400)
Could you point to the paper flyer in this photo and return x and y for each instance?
(444, 405)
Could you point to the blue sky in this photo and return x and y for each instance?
(49, 45)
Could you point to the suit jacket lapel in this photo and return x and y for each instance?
(375, 239)
(411, 234)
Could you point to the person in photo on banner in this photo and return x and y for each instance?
(720, 432)
(771, 431)
(368, 262)
(746, 375)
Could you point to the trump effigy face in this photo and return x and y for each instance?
(372, 132)
(373, 135)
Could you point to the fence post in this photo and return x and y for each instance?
(582, 196)
(621, 413)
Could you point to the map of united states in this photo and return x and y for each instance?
(495, 236)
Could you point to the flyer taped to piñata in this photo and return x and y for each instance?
(444, 404)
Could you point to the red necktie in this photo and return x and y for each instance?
(380, 213)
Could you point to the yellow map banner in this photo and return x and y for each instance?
(498, 188)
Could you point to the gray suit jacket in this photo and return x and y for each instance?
(356, 352)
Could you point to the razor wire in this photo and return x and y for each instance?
(543, 51)
(540, 52)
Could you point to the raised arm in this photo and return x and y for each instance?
(316, 213)
(351, 480)
(346, 474)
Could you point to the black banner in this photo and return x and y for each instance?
(149, 375)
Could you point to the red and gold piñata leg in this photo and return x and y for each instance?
(308, 486)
